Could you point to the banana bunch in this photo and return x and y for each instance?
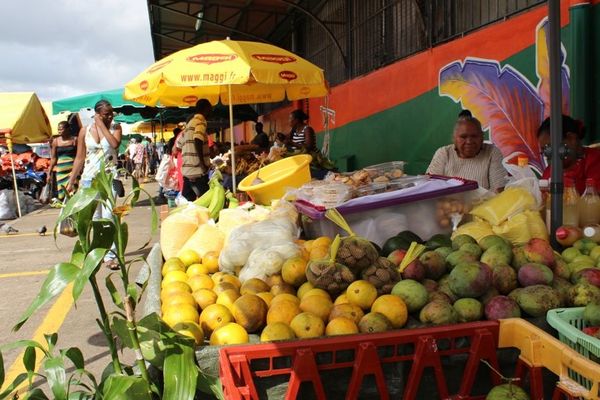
(213, 198)
(231, 200)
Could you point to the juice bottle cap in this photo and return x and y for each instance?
(589, 231)
(544, 183)
(590, 182)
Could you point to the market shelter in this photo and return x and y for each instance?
(23, 117)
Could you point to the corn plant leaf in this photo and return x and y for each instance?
(90, 266)
(122, 387)
(103, 233)
(57, 279)
(210, 384)
(123, 238)
(1, 370)
(56, 376)
(83, 220)
(80, 200)
(135, 191)
(114, 293)
(29, 360)
(76, 356)
(119, 327)
(36, 394)
(180, 372)
(77, 255)
(8, 390)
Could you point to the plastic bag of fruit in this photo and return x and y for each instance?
(510, 202)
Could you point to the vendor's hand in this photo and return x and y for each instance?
(69, 187)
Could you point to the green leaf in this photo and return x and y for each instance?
(122, 387)
(1, 370)
(78, 255)
(211, 385)
(123, 238)
(103, 233)
(56, 377)
(80, 395)
(76, 357)
(23, 343)
(35, 394)
(51, 339)
(132, 292)
(114, 293)
(135, 190)
(180, 373)
(83, 220)
(80, 200)
(8, 390)
(57, 279)
(29, 359)
(90, 265)
(119, 327)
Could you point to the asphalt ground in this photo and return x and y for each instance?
(25, 259)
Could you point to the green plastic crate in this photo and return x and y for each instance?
(569, 324)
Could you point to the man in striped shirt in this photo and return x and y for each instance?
(193, 144)
(470, 158)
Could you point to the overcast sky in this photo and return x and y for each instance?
(64, 48)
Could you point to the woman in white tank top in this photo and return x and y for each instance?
(97, 144)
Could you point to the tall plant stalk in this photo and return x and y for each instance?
(106, 325)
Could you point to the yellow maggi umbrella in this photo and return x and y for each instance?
(245, 72)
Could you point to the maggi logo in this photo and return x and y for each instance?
(288, 75)
(211, 58)
(274, 58)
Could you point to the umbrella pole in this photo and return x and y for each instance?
(12, 164)
(233, 182)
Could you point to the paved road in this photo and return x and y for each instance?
(24, 261)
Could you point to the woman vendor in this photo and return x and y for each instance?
(302, 136)
(579, 162)
(469, 157)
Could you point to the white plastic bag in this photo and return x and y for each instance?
(166, 174)
(524, 177)
(6, 211)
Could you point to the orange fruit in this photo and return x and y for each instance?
(341, 299)
(322, 241)
(319, 253)
(308, 245)
(230, 333)
(197, 282)
(174, 276)
(277, 331)
(172, 264)
(285, 296)
(228, 297)
(196, 269)
(350, 311)
(178, 298)
(214, 316)
(316, 292)
(317, 305)
(227, 278)
(393, 307)
(341, 326)
(307, 325)
(362, 293)
(283, 288)
(305, 287)
(293, 271)
(189, 257)
(204, 297)
(374, 322)
(283, 311)
(250, 311)
(211, 261)
(174, 287)
(253, 286)
(175, 314)
(267, 297)
(223, 286)
(191, 330)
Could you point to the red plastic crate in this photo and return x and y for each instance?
(430, 347)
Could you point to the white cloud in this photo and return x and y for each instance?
(63, 48)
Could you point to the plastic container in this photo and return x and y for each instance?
(578, 376)
(424, 363)
(371, 188)
(569, 324)
(382, 219)
(290, 172)
(390, 170)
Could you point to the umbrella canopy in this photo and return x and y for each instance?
(54, 119)
(129, 111)
(255, 73)
(23, 116)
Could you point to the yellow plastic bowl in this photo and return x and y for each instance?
(290, 172)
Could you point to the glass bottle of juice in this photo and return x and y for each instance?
(545, 211)
(570, 204)
(589, 205)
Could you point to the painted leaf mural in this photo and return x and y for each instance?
(506, 102)
(542, 67)
(502, 99)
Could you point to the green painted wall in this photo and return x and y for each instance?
(413, 130)
(595, 67)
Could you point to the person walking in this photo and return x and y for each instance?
(97, 146)
(193, 144)
(64, 150)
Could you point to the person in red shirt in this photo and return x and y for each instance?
(580, 163)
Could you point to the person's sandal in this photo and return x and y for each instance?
(112, 265)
